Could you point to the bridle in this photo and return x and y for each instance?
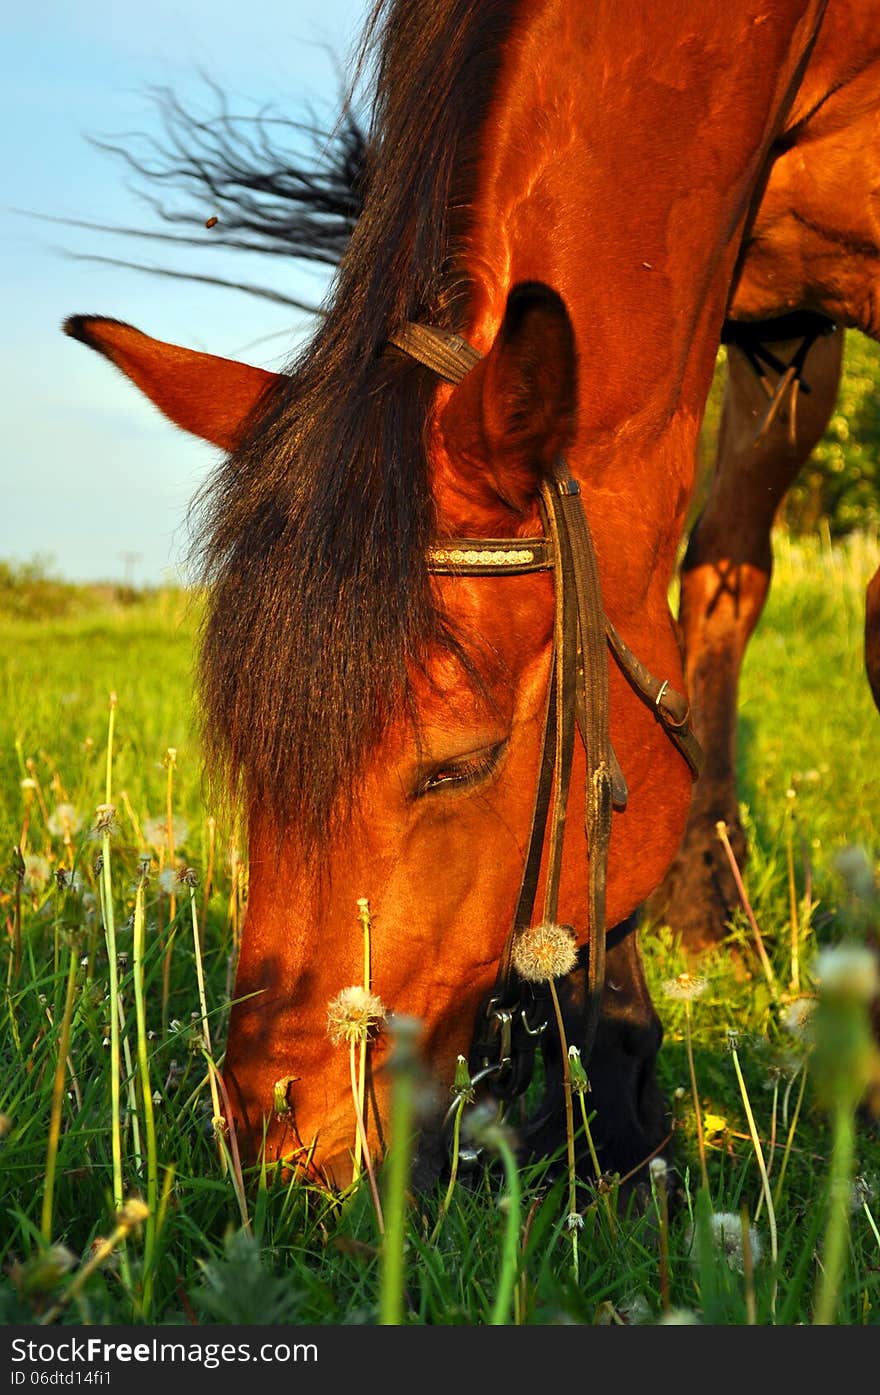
(508, 1029)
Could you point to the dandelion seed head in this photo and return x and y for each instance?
(855, 866)
(352, 1013)
(685, 987)
(863, 1192)
(64, 821)
(795, 1016)
(848, 971)
(545, 951)
(133, 1212)
(679, 1317)
(37, 872)
(155, 831)
(658, 1169)
(66, 880)
(727, 1238)
(635, 1310)
(727, 1233)
(104, 816)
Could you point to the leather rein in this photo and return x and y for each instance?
(508, 1025)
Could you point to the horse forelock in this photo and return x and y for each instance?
(311, 538)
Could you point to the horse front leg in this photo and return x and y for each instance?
(724, 583)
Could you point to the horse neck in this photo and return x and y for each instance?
(621, 173)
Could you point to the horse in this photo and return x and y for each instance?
(438, 667)
(781, 384)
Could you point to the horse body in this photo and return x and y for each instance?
(593, 193)
(811, 245)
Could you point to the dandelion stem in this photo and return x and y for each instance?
(793, 908)
(209, 876)
(113, 969)
(771, 1148)
(364, 917)
(222, 1123)
(765, 1181)
(108, 782)
(396, 1174)
(698, 1112)
(721, 829)
(837, 1228)
(748, 1268)
(101, 1253)
(146, 1094)
(58, 1099)
(170, 761)
(131, 1093)
(368, 1161)
(871, 1222)
(453, 1168)
(206, 1031)
(664, 1250)
(786, 1152)
(601, 1187)
(569, 1129)
(507, 1277)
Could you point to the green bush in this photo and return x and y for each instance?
(840, 483)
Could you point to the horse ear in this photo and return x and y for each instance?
(211, 397)
(516, 411)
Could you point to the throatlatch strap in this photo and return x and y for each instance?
(672, 710)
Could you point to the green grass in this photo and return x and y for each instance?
(807, 725)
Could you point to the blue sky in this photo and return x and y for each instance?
(91, 471)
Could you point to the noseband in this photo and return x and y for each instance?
(508, 1025)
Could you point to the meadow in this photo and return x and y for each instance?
(123, 896)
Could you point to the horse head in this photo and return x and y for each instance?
(431, 827)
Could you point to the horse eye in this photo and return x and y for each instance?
(462, 772)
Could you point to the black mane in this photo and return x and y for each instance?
(313, 533)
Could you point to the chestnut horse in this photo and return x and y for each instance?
(583, 193)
